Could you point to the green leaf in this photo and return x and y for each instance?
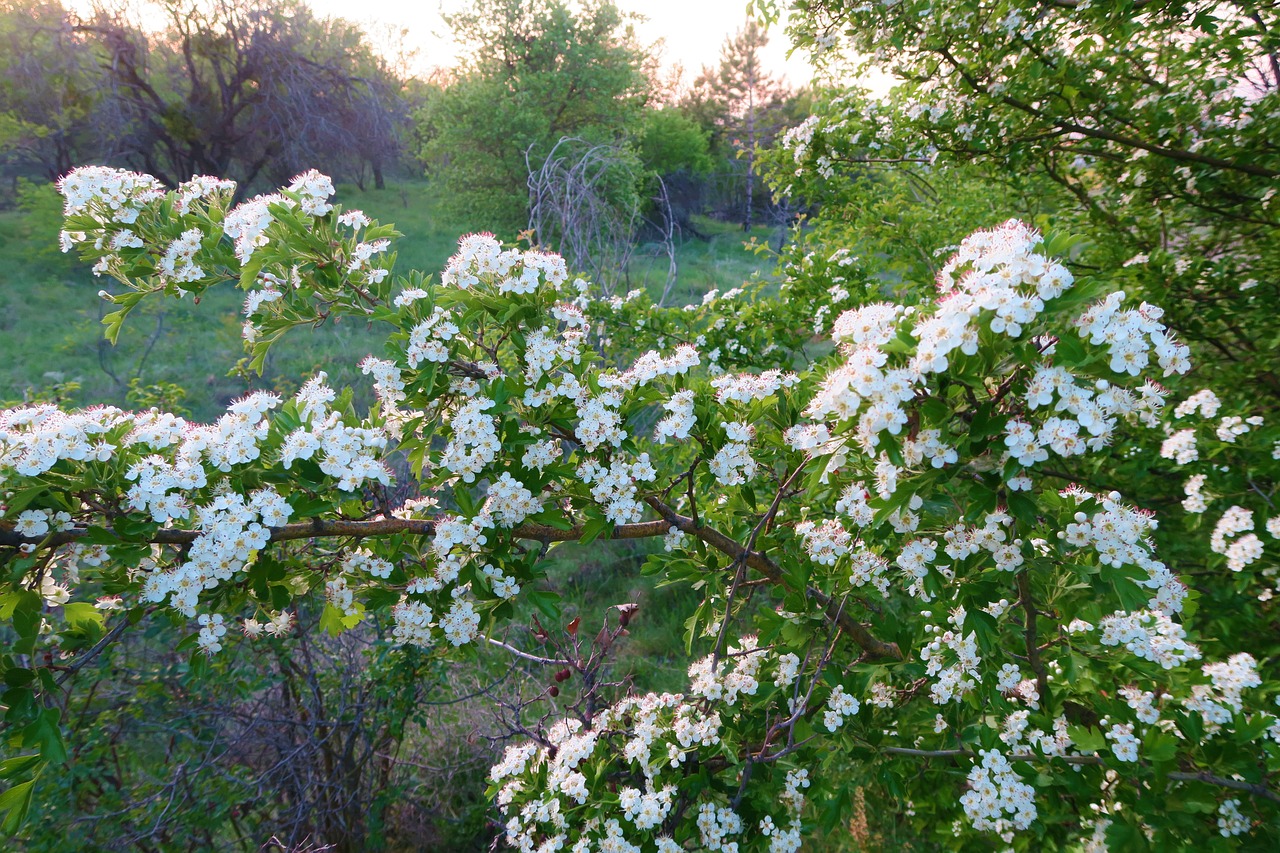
(82, 613)
(594, 529)
(14, 804)
(47, 734)
(331, 620)
(1088, 740)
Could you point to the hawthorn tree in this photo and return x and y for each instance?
(1149, 128)
(904, 576)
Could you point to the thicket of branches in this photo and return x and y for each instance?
(245, 88)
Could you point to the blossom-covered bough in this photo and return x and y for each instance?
(904, 588)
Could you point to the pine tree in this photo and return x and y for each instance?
(744, 100)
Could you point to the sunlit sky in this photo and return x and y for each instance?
(689, 33)
(692, 31)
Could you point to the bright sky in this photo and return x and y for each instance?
(693, 31)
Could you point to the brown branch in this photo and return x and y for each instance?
(856, 631)
(1033, 644)
(318, 528)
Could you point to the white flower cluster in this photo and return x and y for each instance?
(503, 586)
(231, 534)
(429, 340)
(1180, 447)
(651, 365)
(716, 824)
(679, 419)
(1018, 734)
(1143, 703)
(1126, 332)
(868, 568)
(599, 422)
(1243, 551)
(1120, 535)
(509, 502)
(997, 798)
(364, 560)
(724, 680)
(456, 542)
(109, 195)
(1205, 403)
(1150, 635)
(1231, 821)
(211, 633)
(787, 671)
(247, 223)
(1124, 746)
(348, 453)
(412, 623)
(915, 559)
(1196, 501)
(544, 349)
(314, 190)
(955, 680)
(480, 259)
(278, 625)
(854, 503)
(473, 441)
(963, 541)
(1220, 700)
(198, 188)
(178, 262)
(640, 740)
(615, 487)
(996, 281)
(646, 809)
(1088, 420)
(732, 465)
(839, 705)
(825, 542)
(461, 624)
(388, 385)
(787, 840)
(541, 454)
(1232, 427)
(338, 592)
(748, 387)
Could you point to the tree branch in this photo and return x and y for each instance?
(856, 631)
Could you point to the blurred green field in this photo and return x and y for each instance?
(51, 343)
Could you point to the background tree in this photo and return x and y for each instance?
(247, 88)
(743, 103)
(535, 73)
(1156, 122)
(52, 114)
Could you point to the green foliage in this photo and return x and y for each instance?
(537, 72)
(671, 142)
(1148, 129)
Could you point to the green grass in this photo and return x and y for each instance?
(722, 261)
(593, 578)
(50, 313)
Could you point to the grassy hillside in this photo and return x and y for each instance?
(51, 342)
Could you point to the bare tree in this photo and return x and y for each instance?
(586, 203)
(247, 89)
(51, 92)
